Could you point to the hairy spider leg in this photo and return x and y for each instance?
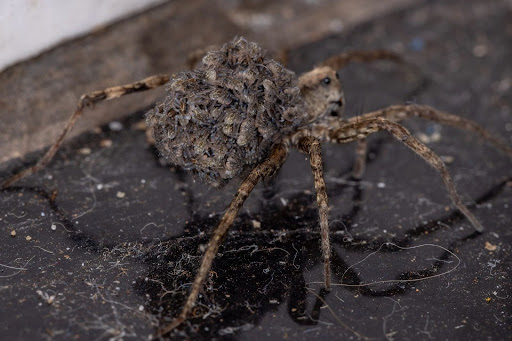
(88, 100)
(264, 170)
(343, 59)
(312, 147)
(360, 161)
(361, 128)
(397, 113)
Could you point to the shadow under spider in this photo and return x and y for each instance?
(257, 270)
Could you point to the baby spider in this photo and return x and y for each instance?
(239, 112)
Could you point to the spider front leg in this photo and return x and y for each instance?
(398, 113)
(311, 146)
(264, 170)
(87, 100)
(363, 127)
(343, 59)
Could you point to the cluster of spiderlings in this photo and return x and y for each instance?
(224, 116)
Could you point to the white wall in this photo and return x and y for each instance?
(28, 27)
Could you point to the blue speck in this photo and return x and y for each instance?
(417, 44)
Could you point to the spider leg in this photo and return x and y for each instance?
(311, 146)
(361, 128)
(343, 59)
(398, 113)
(86, 100)
(360, 162)
(265, 169)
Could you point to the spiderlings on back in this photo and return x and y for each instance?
(224, 116)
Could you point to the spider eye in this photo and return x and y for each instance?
(327, 80)
(337, 75)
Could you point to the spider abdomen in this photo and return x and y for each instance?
(224, 116)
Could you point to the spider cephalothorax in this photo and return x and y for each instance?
(239, 112)
(322, 92)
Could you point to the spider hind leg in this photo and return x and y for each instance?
(87, 100)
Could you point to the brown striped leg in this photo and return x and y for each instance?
(265, 169)
(364, 126)
(311, 146)
(88, 99)
(360, 161)
(398, 113)
(343, 59)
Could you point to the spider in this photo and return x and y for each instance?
(238, 114)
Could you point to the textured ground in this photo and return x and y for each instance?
(107, 241)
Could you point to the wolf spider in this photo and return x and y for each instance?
(239, 112)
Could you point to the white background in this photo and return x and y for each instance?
(28, 27)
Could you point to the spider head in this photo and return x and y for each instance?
(322, 91)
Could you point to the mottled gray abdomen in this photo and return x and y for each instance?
(222, 118)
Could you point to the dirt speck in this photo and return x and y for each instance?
(490, 247)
